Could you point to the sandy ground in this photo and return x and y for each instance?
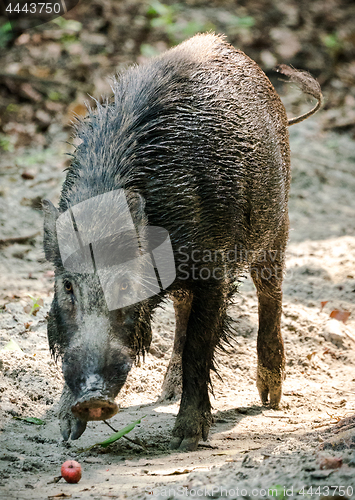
(251, 448)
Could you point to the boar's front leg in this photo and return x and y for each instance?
(203, 332)
(172, 385)
(70, 426)
(267, 277)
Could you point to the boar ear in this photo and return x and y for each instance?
(136, 204)
(50, 242)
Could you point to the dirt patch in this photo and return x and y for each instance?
(251, 447)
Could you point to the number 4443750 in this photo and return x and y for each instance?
(34, 8)
(326, 490)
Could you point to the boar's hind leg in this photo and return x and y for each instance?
(70, 426)
(267, 277)
(202, 335)
(172, 385)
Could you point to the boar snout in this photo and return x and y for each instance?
(94, 409)
(94, 403)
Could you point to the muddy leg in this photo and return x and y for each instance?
(203, 332)
(267, 277)
(172, 385)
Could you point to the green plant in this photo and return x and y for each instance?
(5, 143)
(68, 24)
(70, 31)
(236, 23)
(162, 15)
(36, 157)
(12, 108)
(178, 23)
(37, 303)
(280, 491)
(116, 436)
(5, 34)
(67, 38)
(31, 420)
(54, 96)
(333, 44)
(169, 18)
(12, 345)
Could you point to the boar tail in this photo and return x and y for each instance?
(307, 84)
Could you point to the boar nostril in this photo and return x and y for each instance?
(94, 410)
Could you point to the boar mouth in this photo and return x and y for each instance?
(94, 409)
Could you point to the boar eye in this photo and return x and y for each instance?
(124, 285)
(68, 286)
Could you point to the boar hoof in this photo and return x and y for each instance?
(187, 444)
(269, 384)
(189, 430)
(70, 426)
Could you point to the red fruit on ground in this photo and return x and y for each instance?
(71, 471)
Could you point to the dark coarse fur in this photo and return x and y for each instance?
(201, 136)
